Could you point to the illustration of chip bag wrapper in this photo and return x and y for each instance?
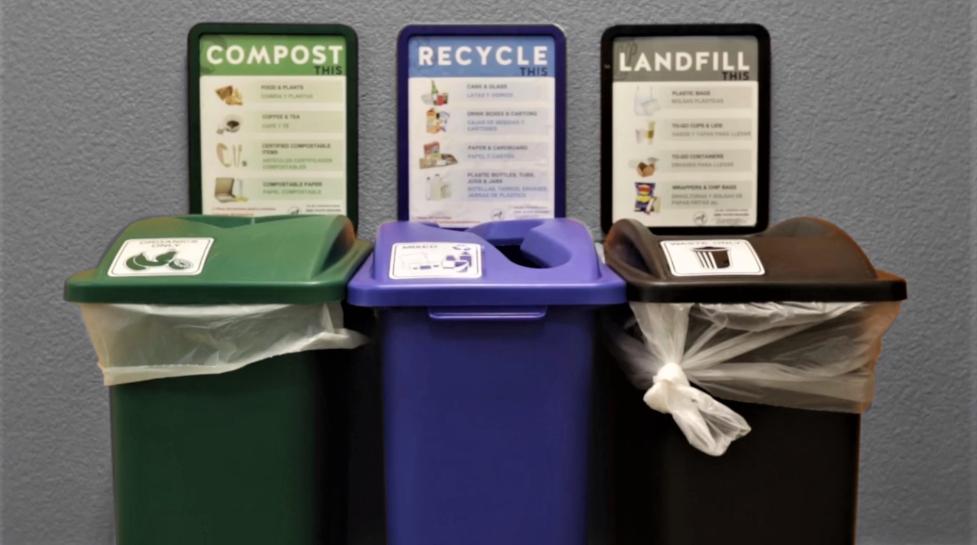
(712, 257)
(644, 197)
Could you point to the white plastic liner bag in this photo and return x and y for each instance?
(816, 356)
(145, 342)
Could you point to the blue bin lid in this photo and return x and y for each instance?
(506, 263)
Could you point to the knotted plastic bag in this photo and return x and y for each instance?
(144, 342)
(817, 356)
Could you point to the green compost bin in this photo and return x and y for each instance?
(251, 456)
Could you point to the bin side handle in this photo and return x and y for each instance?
(487, 314)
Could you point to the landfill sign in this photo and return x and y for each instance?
(161, 257)
(686, 130)
(411, 260)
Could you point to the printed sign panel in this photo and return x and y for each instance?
(685, 120)
(481, 126)
(272, 125)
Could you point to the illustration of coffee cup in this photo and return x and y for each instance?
(712, 257)
(230, 125)
(645, 134)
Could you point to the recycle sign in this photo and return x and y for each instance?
(460, 262)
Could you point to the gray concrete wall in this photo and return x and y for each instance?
(872, 125)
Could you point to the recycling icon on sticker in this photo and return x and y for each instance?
(460, 262)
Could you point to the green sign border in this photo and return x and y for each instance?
(352, 93)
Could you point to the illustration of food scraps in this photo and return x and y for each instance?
(230, 95)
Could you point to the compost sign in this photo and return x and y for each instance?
(273, 119)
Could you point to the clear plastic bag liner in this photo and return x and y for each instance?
(816, 356)
(145, 342)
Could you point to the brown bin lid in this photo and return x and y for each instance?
(802, 259)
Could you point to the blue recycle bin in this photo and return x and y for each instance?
(486, 339)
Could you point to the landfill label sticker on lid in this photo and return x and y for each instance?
(410, 260)
(731, 257)
(178, 256)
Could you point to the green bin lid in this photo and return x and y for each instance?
(225, 260)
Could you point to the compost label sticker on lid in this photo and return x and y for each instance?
(729, 257)
(176, 256)
(410, 260)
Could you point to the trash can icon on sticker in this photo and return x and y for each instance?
(712, 257)
(698, 257)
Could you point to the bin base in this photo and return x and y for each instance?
(486, 427)
(792, 479)
(237, 458)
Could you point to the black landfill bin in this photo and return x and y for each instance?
(764, 348)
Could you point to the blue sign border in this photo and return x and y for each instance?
(403, 71)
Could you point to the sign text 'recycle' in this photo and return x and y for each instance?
(504, 55)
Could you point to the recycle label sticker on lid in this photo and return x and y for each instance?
(411, 260)
(729, 257)
(177, 256)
